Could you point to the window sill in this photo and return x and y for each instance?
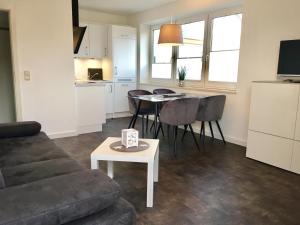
(191, 88)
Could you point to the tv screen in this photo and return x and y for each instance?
(289, 58)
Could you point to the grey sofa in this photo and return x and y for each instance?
(41, 185)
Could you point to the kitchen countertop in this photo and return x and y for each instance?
(86, 83)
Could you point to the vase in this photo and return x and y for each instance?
(181, 83)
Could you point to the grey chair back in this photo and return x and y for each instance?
(179, 112)
(146, 107)
(162, 91)
(211, 108)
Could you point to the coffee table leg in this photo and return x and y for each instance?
(110, 169)
(156, 166)
(94, 164)
(150, 184)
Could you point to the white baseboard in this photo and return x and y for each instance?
(118, 115)
(89, 129)
(62, 134)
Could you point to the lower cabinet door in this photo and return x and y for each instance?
(270, 149)
(296, 158)
(121, 96)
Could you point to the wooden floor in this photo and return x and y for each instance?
(219, 186)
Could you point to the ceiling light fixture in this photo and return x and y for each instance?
(170, 34)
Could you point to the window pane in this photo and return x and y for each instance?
(226, 33)
(223, 66)
(162, 71)
(161, 53)
(193, 38)
(193, 66)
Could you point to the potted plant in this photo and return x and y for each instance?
(181, 75)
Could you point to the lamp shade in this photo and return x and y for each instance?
(170, 34)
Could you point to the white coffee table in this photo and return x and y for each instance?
(149, 156)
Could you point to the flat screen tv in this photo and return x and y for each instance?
(289, 59)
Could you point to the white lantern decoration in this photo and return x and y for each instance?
(130, 138)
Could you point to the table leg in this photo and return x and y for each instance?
(94, 164)
(156, 166)
(110, 169)
(150, 184)
(155, 120)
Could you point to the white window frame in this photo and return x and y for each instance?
(204, 84)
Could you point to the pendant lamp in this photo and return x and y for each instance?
(170, 34)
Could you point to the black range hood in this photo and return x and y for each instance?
(78, 32)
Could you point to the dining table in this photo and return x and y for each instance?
(158, 100)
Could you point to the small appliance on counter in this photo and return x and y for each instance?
(95, 74)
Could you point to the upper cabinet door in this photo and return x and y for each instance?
(84, 50)
(98, 41)
(124, 57)
(124, 32)
(297, 133)
(274, 109)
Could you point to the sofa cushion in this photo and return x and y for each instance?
(2, 183)
(58, 200)
(19, 129)
(22, 150)
(30, 172)
(120, 213)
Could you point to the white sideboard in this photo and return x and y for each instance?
(274, 125)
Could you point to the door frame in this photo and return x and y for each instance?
(10, 9)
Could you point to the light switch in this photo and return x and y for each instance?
(27, 75)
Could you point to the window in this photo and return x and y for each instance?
(210, 52)
(191, 53)
(162, 59)
(225, 48)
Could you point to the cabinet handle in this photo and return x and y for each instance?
(116, 70)
(105, 51)
(111, 90)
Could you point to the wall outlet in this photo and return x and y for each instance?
(27, 75)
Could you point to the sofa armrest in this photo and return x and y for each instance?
(19, 129)
(58, 200)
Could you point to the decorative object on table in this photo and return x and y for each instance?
(130, 138)
(181, 75)
(119, 147)
(170, 34)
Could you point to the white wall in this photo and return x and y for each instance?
(42, 44)
(265, 24)
(102, 17)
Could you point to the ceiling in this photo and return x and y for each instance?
(123, 7)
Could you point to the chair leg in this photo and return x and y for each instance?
(175, 130)
(217, 122)
(203, 131)
(147, 123)
(158, 130)
(162, 129)
(131, 121)
(152, 125)
(185, 130)
(194, 137)
(134, 122)
(168, 127)
(211, 130)
(143, 126)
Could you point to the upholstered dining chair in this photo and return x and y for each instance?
(177, 113)
(146, 108)
(162, 91)
(210, 109)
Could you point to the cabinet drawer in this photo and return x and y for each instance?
(270, 149)
(274, 109)
(296, 158)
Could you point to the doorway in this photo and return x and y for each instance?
(7, 94)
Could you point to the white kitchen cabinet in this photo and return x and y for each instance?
(109, 95)
(121, 96)
(296, 158)
(274, 124)
(91, 108)
(98, 41)
(94, 43)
